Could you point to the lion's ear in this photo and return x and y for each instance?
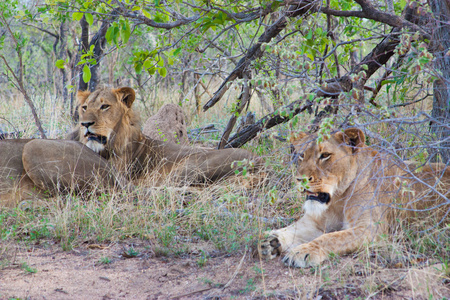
(126, 95)
(82, 96)
(353, 137)
(295, 139)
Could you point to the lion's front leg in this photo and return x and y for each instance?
(281, 240)
(315, 252)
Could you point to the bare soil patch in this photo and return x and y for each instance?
(108, 271)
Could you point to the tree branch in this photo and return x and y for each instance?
(370, 64)
(302, 7)
(55, 35)
(269, 121)
(19, 78)
(370, 12)
(149, 22)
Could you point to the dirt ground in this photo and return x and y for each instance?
(108, 271)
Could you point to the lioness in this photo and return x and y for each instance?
(353, 194)
(107, 146)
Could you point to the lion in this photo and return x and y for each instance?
(108, 147)
(32, 169)
(354, 194)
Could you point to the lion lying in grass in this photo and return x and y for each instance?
(107, 148)
(354, 194)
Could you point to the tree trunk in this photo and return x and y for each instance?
(244, 98)
(99, 42)
(82, 86)
(63, 55)
(197, 93)
(441, 87)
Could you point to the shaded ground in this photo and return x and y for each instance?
(133, 271)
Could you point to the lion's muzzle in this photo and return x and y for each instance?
(95, 137)
(323, 198)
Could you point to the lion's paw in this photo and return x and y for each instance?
(270, 247)
(304, 256)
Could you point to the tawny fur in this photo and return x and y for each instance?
(369, 193)
(137, 155)
(106, 148)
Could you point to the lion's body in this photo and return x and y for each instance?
(354, 195)
(111, 128)
(107, 147)
(39, 168)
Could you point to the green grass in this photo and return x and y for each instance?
(24, 266)
(105, 261)
(165, 218)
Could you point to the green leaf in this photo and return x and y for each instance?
(148, 64)
(76, 16)
(423, 60)
(89, 18)
(86, 74)
(146, 14)
(162, 71)
(60, 63)
(114, 34)
(178, 50)
(125, 32)
(135, 8)
(108, 35)
(138, 68)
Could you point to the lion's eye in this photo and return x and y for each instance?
(104, 107)
(84, 107)
(325, 156)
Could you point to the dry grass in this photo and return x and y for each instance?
(227, 218)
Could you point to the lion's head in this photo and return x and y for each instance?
(107, 122)
(327, 168)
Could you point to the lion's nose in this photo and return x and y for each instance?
(87, 124)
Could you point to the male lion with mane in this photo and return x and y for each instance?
(109, 126)
(354, 194)
(107, 147)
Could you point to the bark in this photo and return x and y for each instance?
(184, 74)
(99, 42)
(268, 122)
(63, 55)
(197, 92)
(73, 58)
(84, 47)
(441, 87)
(244, 98)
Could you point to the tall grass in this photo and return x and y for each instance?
(226, 216)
